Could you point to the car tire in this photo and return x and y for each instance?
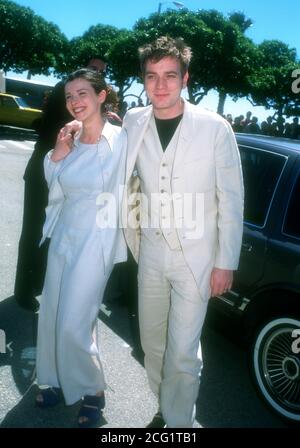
(275, 366)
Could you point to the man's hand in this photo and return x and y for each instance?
(113, 116)
(220, 281)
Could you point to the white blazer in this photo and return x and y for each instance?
(207, 161)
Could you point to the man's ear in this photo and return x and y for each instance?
(185, 80)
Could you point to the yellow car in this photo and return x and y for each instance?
(15, 112)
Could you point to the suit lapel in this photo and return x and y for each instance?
(185, 137)
(136, 131)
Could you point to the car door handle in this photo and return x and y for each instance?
(246, 247)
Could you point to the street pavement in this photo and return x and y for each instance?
(226, 398)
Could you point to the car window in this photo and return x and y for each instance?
(21, 102)
(8, 102)
(292, 222)
(261, 171)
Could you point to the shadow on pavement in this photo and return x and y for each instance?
(123, 321)
(19, 327)
(119, 310)
(26, 415)
(226, 398)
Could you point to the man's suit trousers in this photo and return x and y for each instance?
(171, 314)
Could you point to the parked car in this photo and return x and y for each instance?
(14, 111)
(265, 297)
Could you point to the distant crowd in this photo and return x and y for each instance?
(274, 127)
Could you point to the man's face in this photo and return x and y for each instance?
(97, 65)
(163, 84)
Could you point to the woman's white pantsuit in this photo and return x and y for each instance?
(80, 260)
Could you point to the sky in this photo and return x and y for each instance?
(272, 19)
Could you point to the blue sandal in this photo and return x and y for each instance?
(50, 397)
(91, 410)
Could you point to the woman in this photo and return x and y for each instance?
(82, 251)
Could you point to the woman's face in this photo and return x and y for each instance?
(81, 99)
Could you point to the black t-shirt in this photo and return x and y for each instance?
(166, 129)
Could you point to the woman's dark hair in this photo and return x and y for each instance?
(98, 83)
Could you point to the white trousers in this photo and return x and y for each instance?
(171, 315)
(67, 349)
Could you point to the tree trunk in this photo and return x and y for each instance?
(280, 111)
(191, 96)
(222, 99)
(29, 74)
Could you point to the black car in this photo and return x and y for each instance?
(265, 297)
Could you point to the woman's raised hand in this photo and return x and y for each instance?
(64, 141)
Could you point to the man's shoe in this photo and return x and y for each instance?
(157, 421)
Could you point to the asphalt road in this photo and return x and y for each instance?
(226, 398)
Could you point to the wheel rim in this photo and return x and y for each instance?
(277, 367)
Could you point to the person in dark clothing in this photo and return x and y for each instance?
(266, 126)
(295, 129)
(253, 127)
(32, 259)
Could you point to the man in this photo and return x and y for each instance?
(186, 163)
(97, 64)
(32, 259)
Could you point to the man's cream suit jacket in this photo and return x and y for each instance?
(207, 161)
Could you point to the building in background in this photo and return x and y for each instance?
(33, 92)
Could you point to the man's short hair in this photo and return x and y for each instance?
(166, 47)
(97, 56)
(100, 60)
